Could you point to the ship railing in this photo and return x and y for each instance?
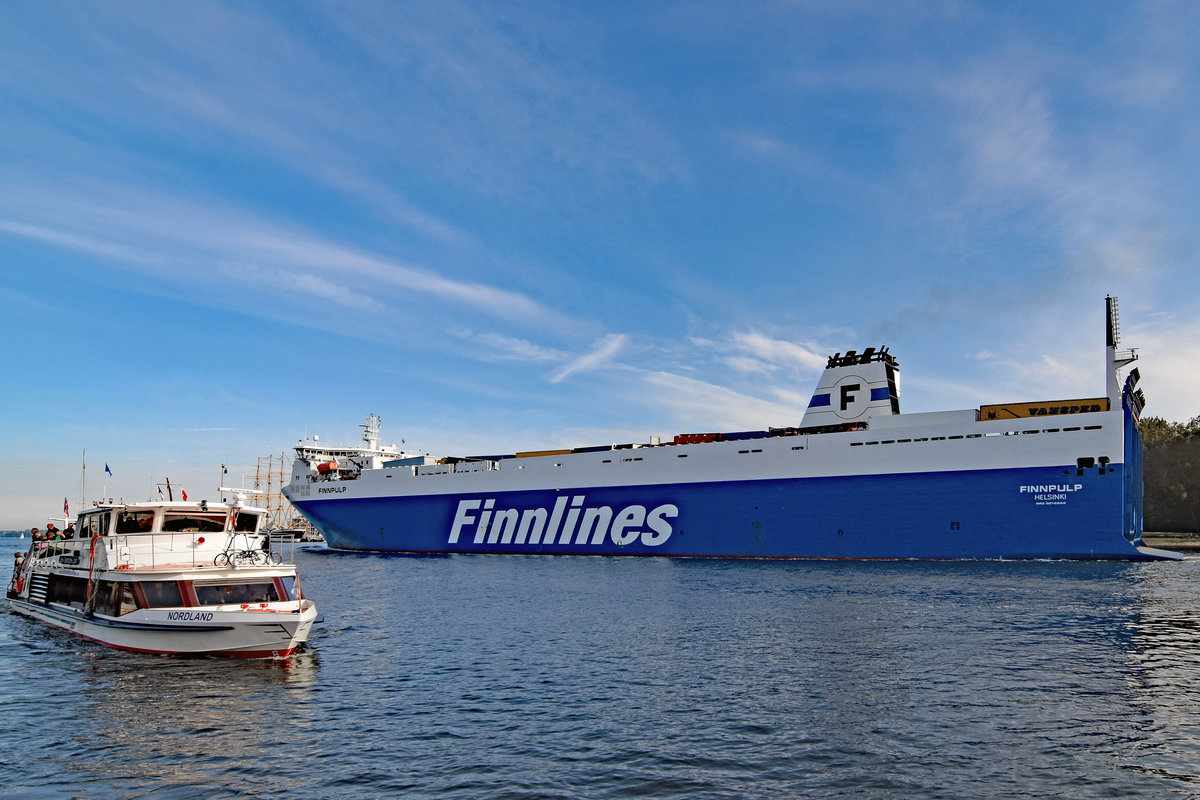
(333, 475)
(421, 470)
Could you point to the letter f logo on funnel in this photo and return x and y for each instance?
(850, 397)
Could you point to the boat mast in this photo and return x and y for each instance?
(371, 432)
(1116, 359)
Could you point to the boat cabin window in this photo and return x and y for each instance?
(202, 523)
(94, 524)
(162, 594)
(246, 523)
(115, 598)
(135, 521)
(219, 594)
(68, 590)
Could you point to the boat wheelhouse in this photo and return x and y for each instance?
(168, 577)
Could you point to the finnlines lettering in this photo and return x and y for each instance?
(563, 524)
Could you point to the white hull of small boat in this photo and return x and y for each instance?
(273, 632)
(170, 578)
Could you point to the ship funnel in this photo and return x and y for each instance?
(853, 387)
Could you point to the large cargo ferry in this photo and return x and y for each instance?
(855, 479)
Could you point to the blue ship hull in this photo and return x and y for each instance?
(968, 515)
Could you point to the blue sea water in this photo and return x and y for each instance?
(588, 677)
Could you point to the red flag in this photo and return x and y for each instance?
(184, 494)
(66, 507)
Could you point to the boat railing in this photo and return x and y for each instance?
(53, 552)
(157, 551)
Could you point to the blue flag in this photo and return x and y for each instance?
(106, 469)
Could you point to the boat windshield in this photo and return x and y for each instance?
(203, 523)
(93, 524)
(135, 521)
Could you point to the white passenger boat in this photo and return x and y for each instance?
(167, 577)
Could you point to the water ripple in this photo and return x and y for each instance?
(529, 678)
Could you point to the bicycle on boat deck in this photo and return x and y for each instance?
(261, 556)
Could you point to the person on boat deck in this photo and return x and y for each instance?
(37, 537)
(52, 533)
(69, 533)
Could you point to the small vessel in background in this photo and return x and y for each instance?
(168, 577)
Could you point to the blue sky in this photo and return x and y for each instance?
(506, 226)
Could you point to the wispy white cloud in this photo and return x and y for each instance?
(494, 95)
(298, 249)
(285, 280)
(1020, 154)
(1009, 128)
(704, 405)
(510, 348)
(749, 366)
(13, 299)
(751, 352)
(79, 242)
(1167, 363)
(603, 352)
(776, 152)
(778, 351)
(184, 238)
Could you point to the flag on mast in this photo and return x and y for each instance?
(109, 471)
(66, 507)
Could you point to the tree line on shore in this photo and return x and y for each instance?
(1171, 472)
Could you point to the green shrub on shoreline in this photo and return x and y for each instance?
(1172, 475)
